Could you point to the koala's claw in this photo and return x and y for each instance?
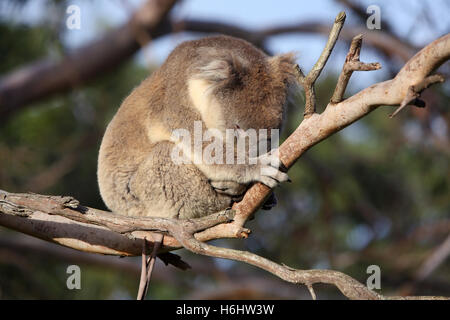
(270, 170)
(272, 177)
(283, 168)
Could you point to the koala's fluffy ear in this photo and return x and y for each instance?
(223, 68)
(284, 65)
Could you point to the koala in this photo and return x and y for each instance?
(217, 82)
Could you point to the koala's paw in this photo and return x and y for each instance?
(230, 188)
(269, 170)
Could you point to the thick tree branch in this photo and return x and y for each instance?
(19, 206)
(336, 117)
(63, 220)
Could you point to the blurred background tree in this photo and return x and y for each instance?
(376, 193)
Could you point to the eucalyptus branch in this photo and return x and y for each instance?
(318, 127)
(348, 286)
(309, 81)
(351, 64)
(92, 230)
(413, 94)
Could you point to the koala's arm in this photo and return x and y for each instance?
(226, 168)
(233, 85)
(231, 188)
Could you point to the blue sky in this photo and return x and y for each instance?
(406, 16)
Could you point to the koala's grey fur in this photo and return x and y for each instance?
(222, 81)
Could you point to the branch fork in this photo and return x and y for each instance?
(351, 64)
(309, 80)
(413, 93)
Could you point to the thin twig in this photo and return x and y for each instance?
(351, 64)
(413, 93)
(143, 278)
(436, 258)
(311, 291)
(151, 261)
(329, 46)
(309, 81)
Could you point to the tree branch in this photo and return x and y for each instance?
(309, 81)
(413, 94)
(351, 64)
(18, 205)
(65, 221)
(147, 266)
(318, 127)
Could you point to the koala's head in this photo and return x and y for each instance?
(250, 88)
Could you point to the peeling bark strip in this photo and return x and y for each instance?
(63, 220)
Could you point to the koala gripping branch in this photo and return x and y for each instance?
(64, 221)
(339, 114)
